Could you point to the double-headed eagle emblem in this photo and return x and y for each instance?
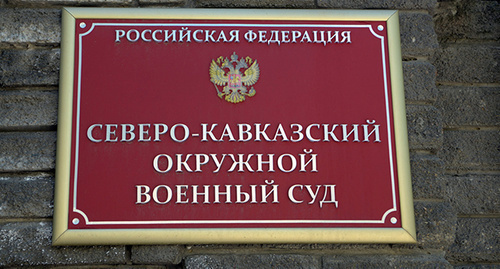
(224, 71)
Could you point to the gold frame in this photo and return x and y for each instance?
(63, 236)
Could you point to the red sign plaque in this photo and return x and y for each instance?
(196, 126)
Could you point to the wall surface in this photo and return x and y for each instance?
(452, 81)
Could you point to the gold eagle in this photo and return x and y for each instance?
(226, 72)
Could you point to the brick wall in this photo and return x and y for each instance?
(450, 53)
(468, 99)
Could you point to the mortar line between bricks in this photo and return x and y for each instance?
(29, 88)
(9, 220)
(427, 103)
(27, 174)
(321, 261)
(471, 172)
(483, 216)
(421, 11)
(478, 263)
(51, 87)
(422, 152)
(171, 4)
(414, 58)
(128, 254)
(265, 250)
(423, 59)
(471, 128)
(58, 6)
(461, 84)
(469, 42)
(29, 171)
(28, 46)
(29, 129)
(429, 200)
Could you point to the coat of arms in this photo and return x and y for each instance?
(228, 73)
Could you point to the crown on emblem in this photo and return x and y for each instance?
(228, 74)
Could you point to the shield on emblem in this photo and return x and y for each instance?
(234, 81)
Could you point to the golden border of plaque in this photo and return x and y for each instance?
(64, 236)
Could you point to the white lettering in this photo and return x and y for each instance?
(218, 193)
(290, 194)
(119, 34)
(144, 133)
(204, 193)
(293, 162)
(110, 131)
(156, 165)
(89, 133)
(141, 193)
(184, 163)
(168, 196)
(137, 35)
(332, 196)
(273, 191)
(174, 136)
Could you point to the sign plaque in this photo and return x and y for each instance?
(183, 126)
